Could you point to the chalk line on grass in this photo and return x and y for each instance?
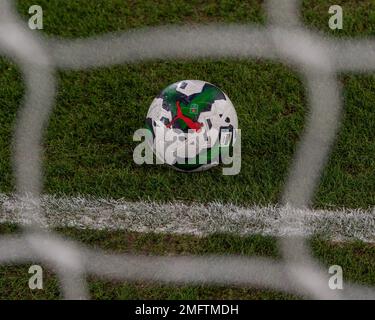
(195, 218)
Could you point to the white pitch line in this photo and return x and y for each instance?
(196, 219)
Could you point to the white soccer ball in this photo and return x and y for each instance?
(193, 125)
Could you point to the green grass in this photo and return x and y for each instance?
(356, 259)
(88, 147)
(89, 144)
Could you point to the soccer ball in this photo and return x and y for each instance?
(192, 123)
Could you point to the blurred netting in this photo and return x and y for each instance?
(285, 39)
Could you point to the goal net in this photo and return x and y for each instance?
(284, 39)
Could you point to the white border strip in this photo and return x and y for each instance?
(195, 219)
